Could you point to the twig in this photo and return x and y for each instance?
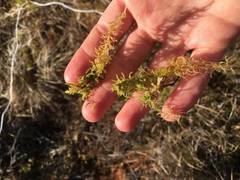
(11, 151)
(13, 59)
(67, 7)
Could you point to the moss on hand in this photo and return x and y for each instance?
(150, 83)
(98, 67)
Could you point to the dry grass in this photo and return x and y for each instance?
(44, 135)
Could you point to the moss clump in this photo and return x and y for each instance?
(98, 66)
(152, 82)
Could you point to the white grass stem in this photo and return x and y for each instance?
(66, 7)
(13, 60)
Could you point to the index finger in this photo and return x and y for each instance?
(86, 53)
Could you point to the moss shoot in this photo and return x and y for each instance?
(98, 66)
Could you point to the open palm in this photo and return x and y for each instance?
(204, 27)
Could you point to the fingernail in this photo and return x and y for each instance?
(169, 115)
(121, 126)
(89, 113)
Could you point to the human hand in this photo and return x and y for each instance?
(206, 27)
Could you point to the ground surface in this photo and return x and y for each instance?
(45, 137)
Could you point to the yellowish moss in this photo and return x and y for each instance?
(98, 67)
(152, 82)
(182, 66)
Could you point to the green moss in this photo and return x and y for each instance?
(103, 57)
(151, 83)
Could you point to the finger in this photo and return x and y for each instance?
(128, 59)
(189, 89)
(208, 45)
(134, 109)
(184, 96)
(86, 53)
(130, 114)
